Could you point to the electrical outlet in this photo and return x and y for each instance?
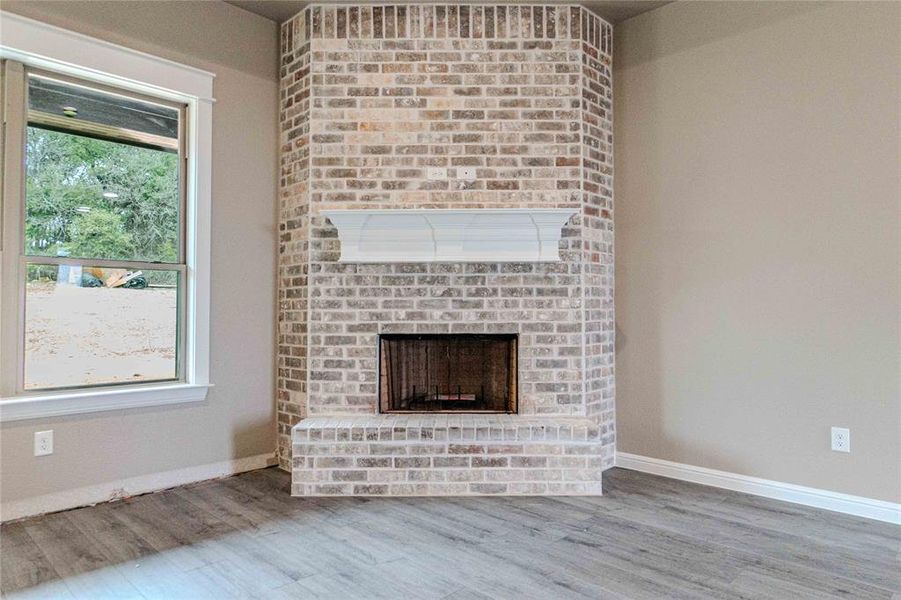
(467, 173)
(841, 439)
(43, 443)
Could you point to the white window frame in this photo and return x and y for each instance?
(38, 45)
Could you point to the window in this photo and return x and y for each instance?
(105, 216)
(101, 236)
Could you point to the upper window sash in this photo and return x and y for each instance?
(44, 112)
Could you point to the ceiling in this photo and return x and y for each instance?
(613, 11)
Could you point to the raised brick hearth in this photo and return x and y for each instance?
(447, 455)
(512, 105)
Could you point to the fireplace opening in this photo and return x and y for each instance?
(470, 373)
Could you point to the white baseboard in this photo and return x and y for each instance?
(858, 506)
(123, 488)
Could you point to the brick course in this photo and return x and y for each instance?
(372, 97)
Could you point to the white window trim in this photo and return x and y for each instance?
(37, 44)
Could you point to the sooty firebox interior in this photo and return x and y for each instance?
(447, 373)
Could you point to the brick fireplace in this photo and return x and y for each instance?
(451, 108)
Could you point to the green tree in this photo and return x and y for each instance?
(76, 186)
(98, 233)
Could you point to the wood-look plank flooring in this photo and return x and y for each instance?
(648, 537)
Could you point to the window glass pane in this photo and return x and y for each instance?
(89, 326)
(94, 189)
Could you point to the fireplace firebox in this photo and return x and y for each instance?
(466, 373)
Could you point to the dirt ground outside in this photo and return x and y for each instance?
(86, 336)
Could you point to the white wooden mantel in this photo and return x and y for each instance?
(446, 235)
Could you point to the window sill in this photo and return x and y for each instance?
(20, 408)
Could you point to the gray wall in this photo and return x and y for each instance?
(237, 420)
(757, 242)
